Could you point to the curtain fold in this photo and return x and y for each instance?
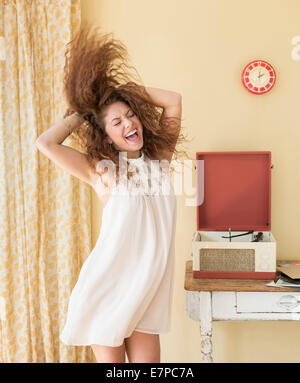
(45, 213)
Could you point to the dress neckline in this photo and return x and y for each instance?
(138, 160)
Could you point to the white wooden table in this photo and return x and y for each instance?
(210, 300)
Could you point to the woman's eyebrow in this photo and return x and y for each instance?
(117, 118)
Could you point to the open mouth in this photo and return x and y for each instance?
(133, 136)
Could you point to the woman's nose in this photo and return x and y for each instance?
(127, 123)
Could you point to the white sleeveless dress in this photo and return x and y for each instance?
(126, 284)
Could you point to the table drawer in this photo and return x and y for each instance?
(265, 302)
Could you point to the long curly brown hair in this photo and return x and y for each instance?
(97, 74)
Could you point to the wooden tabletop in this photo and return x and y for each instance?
(204, 284)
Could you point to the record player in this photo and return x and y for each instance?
(233, 238)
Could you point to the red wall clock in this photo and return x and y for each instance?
(258, 77)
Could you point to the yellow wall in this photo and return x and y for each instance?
(199, 48)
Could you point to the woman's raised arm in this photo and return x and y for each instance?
(69, 159)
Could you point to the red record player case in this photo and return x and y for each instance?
(233, 193)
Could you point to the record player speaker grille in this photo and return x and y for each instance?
(227, 259)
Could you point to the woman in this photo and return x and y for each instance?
(122, 299)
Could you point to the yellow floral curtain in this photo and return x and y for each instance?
(45, 215)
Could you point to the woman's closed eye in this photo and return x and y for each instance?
(129, 116)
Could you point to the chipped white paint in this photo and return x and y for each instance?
(205, 325)
(223, 305)
(252, 306)
(192, 304)
(266, 302)
(207, 306)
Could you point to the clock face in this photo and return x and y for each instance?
(258, 77)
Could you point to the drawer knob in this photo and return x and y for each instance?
(288, 301)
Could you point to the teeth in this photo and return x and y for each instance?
(130, 134)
